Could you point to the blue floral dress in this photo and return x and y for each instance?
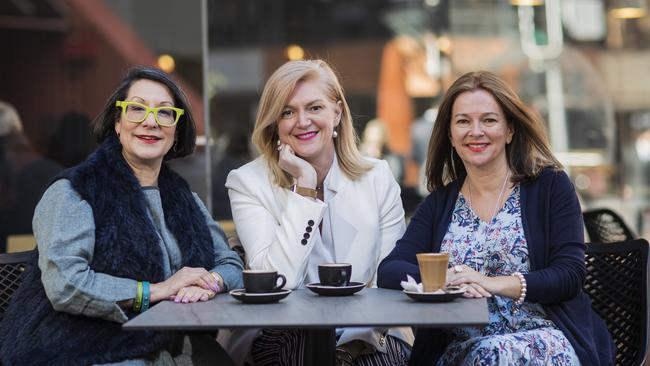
(516, 335)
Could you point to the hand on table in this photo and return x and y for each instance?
(191, 294)
(478, 285)
(185, 277)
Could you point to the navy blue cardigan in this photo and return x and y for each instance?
(552, 223)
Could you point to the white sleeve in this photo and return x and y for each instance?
(273, 237)
(391, 212)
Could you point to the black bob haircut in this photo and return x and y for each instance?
(185, 137)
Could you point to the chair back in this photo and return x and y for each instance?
(617, 283)
(12, 266)
(606, 226)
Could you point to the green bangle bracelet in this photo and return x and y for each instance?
(137, 303)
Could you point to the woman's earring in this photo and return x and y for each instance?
(279, 144)
(335, 134)
(453, 163)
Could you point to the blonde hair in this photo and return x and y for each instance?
(274, 98)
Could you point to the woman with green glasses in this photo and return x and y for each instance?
(116, 234)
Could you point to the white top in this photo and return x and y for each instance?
(365, 216)
(324, 253)
(362, 221)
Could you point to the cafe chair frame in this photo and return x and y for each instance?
(617, 283)
(606, 226)
(12, 266)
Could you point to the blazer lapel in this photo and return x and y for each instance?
(343, 228)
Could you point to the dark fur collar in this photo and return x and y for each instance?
(126, 245)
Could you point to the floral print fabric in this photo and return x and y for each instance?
(516, 335)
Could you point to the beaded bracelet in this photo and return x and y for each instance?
(137, 303)
(146, 296)
(522, 293)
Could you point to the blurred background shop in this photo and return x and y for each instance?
(584, 65)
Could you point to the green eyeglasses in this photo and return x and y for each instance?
(137, 112)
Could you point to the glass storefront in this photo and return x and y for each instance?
(576, 62)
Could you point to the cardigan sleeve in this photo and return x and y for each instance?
(563, 250)
(65, 232)
(273, 242)
(402, 260)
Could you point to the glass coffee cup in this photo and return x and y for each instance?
(433, 270)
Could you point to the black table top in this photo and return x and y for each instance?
(372, 307)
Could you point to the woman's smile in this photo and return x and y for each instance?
(477, 147)
(307, 135)
(148, 139)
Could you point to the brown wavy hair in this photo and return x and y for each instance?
(527, 154)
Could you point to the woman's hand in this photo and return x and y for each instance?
(186, 276)
(192, 294)
(298, 168)
(478, 285)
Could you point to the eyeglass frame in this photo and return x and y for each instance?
(153, 110)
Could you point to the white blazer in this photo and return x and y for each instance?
(366, 217)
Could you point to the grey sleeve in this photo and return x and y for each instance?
(227, 261)
(65, 231)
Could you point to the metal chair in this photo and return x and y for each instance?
(236, 245)
(12, 265)
(606, 226)
(617, 283)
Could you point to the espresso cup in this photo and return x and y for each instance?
(334, 274)
(262, 281)
(433, 270)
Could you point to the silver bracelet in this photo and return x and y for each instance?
(523, 290)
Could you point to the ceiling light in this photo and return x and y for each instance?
(166, 63)
(527, 2)
(295, 52)
(628, 9)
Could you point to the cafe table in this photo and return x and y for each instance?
(319, 315)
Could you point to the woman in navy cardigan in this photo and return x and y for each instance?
(509, 218)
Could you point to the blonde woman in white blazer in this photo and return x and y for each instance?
(311, 198)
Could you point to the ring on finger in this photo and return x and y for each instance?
(458, 268)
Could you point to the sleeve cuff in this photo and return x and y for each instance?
(231, 276)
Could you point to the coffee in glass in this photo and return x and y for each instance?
(433, 270)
